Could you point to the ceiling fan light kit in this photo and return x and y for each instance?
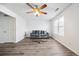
(37, 11)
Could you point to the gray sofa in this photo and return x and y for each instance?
(39, 34)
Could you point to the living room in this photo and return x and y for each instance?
(58, 21)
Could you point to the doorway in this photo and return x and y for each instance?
(7, 28)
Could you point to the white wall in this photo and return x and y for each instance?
(71, 29)
(37, 25)
(20, 28)
(7, 29)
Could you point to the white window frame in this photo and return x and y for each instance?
(59, 27)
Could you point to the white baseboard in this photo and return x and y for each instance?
(66, 46)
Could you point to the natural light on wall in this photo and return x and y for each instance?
(59, 26)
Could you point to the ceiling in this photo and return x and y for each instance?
(21, 9)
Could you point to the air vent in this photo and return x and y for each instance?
(6, 15)
(56, 9)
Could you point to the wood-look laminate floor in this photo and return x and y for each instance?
(27, 47)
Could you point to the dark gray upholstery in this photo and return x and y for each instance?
(39, 34)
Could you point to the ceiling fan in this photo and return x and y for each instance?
(37, 10)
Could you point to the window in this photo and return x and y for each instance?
(56, 26)
(59, 26)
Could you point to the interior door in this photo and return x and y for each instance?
(4, 31)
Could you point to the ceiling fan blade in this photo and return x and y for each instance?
(43, 12)
(43, 6)
(30, 5)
